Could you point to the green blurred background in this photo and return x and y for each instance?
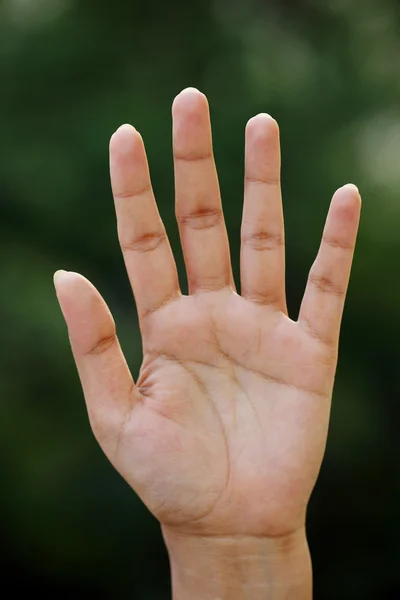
(70, 73)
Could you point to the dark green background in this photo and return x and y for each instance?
(70, 73)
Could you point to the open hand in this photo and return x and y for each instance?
(224, 431)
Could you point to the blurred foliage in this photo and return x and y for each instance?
(70, 73)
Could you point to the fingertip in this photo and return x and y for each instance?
(124, 129)
(190, 90)
(78, 298)
(72, 288)
(260, 120)
(123, 139)
(348, 196)
(62, 277)
(58, 275)
(63, 280)
(189, 100)
(352, 189)
(261, 131)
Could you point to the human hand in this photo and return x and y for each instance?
(224, 432)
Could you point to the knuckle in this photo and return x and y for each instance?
(205, 218)
(326, 284)
(146, 242)
(103, 344)
(210, 282)
(159, 305)
(263, 240)
(252, 179)
(336, 243)
(263, 298)
(327, 341)
(132, 194)
(193, 156)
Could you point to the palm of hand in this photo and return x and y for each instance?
(231, 431)
(225, 429)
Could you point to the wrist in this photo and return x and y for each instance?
(239, 567)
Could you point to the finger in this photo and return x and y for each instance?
(323, 302)
(106, 381)
(198, 203)
(262, 258)
(144, 243)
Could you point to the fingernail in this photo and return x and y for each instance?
(57, 275)
(354, 187)
(189, 90)
(123, 139)
(126, 127)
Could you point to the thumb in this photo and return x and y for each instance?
(109, 390)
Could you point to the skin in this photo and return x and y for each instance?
(224, 431)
